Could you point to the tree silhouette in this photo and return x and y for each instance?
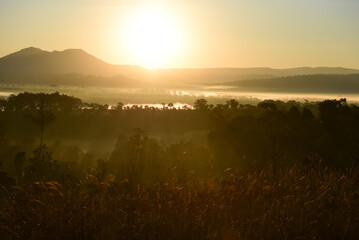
(200, 104)
(119, 106)
(233, 104)
(41, 165)
(19, 163)
(43, 118)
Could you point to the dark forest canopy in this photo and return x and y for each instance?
(31, 102)
(229, 135)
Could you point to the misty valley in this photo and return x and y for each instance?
(92, 150)
(180, 96)
(179, 120)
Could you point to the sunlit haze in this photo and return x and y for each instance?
(189, 34)
(150, 37)
(179, 119)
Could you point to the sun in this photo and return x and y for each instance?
(151, 37)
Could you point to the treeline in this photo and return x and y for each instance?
(35, 101)
(206, 139)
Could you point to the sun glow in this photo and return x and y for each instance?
(151, 37)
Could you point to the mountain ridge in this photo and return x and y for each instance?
(316, 83)
(30, 51)
(35, 61)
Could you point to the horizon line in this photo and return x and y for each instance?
(184, 68)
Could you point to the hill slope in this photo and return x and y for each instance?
(317, 83)
(30, 64)
(36, 61)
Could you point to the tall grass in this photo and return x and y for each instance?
(300, 204)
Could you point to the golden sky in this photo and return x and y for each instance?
(189, 34)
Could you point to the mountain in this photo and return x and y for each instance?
(74, 66)
(317, 83)
(69, 67)
(222, 75)
(36, 61)
(24, 53)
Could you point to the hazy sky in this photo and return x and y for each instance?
(221, 33)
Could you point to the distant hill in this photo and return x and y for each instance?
(68, 67)
(76, 67)
(36, 61)
(317, 83)
(220, 75)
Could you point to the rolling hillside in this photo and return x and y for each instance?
(76, 67)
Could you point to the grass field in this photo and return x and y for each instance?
(319, 203)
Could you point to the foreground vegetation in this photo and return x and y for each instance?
(300, 204)
(272, 171)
